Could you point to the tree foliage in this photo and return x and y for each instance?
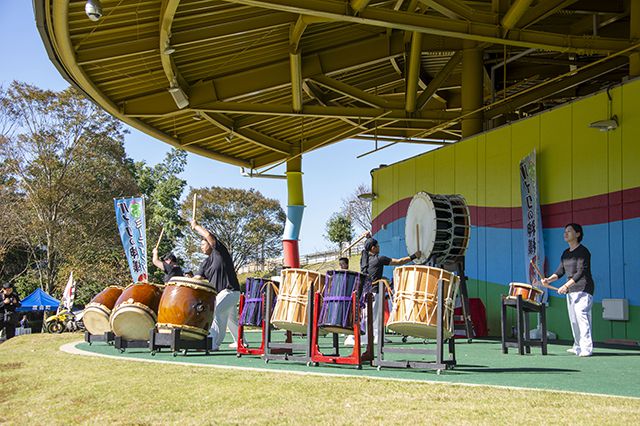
(339, 229)
(248, 223)
(65, 161)
(358, 209)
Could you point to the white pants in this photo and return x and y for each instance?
(226, 314)
(579, 307)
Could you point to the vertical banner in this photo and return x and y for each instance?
(69, 293)
(132, 227)
(531, 218)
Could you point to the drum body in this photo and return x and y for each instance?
(529, 293)
(253, 310)
(415, 303)
(336, 315)
(97, 312)
(439, 226)
(187, 304)
(290, 311)
(136, 311)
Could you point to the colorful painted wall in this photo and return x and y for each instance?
(585, 176)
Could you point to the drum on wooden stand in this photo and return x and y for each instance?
(336, 315)
(439, 226)
(528, 292)
(290, 311)
(253, 310)
(97, 312)
(415, 302)
(136, 311)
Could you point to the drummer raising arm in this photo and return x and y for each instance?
(169, 264)
(219, 270)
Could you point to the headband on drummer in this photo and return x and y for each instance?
(370, 243)
(170, 256)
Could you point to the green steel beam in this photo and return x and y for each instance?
(543, 9)
(515, 12)
(353, 92)
(474, 31)
(415, 64)
(458, 10)
(438, 80)
(295, 65)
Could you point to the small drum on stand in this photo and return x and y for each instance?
(97, 312)
(336, 315)
(438, 226)
(187, 304)
(415, 301)
(136, 310)
(253, 309)
(528, 292)
(290, 311)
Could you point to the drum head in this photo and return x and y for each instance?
(132, 323)
(422, 237)
(96, 320)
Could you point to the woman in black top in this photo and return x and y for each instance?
(219, 270)
(576, 264)
(9, 302)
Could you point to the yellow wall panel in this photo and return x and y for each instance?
(614, 145)
(554, 159)
(425, 173)
(482, 170)
(589, 149)
(498, 167)
(383, 188)
(630, 128)
(444, 163)
(525, 137)
(407, 179)
(466, 170)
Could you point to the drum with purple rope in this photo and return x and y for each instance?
(253, 311)
(336, 315)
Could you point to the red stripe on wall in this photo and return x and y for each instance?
(611, 207)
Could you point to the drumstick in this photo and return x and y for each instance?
(360, 238)
(537, 270)
(160, 238)
(418, 235)
(193, 217)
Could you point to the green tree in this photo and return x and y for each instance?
(358, 209)
(162, 189)
(339, 229)
(248, 223)
(68, 162)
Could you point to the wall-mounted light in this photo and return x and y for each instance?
(605, 125)
(93, 9)
(179, 97)
(169, 50)
(368, 196)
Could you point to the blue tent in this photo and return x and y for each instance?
(38, 301)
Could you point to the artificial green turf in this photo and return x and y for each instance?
(608, 371)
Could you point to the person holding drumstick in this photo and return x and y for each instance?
(372, 265)
(169, 264)
(218, 269)
(575, 262)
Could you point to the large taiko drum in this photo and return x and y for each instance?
(187, 304)
(290, 312)
(97, 312)
(253, 309)
(439, 226)
(336, 315)
(528, 292)
(415, 302)
(136, 311)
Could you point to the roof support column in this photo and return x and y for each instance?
(472, 79)
(634, 34)
(295, 208)
(415, 64)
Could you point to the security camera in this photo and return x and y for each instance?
(605, 125)
(93, 9)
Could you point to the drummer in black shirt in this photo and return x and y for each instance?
(9, 302)
(372, 265)
(219, 270)
(169, 264)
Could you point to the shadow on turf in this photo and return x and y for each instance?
(484, 369)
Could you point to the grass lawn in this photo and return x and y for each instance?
(40, 384)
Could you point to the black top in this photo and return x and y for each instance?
(218, 269)
(577, 265)
(12, 304)
(171, 271)
(375, 266)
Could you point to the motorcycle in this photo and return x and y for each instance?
(63, 320)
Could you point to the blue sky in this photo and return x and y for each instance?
(330, 174)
